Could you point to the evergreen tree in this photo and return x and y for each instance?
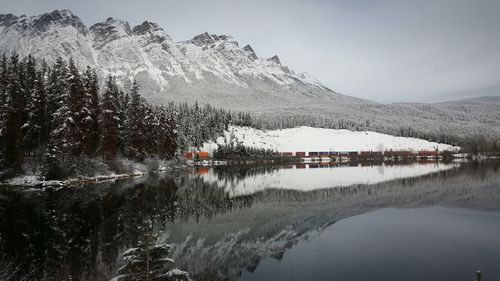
(91, 86)
(109, 120)
(123, 105)
(60, 122)
(135, 129)
(79, 121)
(12, 119)
(35, 134)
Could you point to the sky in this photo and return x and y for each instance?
(382, 50)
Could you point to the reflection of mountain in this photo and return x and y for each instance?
(225, 245)
(79, 232)
(306, 178)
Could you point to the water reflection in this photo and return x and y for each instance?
(79, 233)
(313, 176)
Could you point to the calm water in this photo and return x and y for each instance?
(418, 221)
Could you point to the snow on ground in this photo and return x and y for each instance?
(309, 139)
(319, 178)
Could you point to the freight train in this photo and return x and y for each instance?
(388, 155)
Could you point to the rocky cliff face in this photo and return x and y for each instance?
(147, 53)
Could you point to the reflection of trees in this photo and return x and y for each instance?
(79, 232)
(241, 172)
(198, 199)
(73, 232)
(280, 218)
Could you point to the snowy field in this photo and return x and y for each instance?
(309, 139)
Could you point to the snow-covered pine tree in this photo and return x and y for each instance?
(151, 124)
(123, 105)
(3, 98)
(60, 125)
(12, 119)
(135, 130)
(109, 120)
(34, 129)
(79, 112)
(91, 86)
(149, 260)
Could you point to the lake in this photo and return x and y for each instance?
(317, 221)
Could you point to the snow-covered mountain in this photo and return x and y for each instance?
(215, 69)
(145, 52)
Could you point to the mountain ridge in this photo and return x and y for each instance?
(215, 69)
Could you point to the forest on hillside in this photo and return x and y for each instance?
(56, 115)
(59, 121)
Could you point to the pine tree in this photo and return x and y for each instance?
(123, 105)
(109, 120)
(135, 126)
(12, 119)
(148, 260)
(91, 86)
(35, 134)
(60, 122)
(79, 133)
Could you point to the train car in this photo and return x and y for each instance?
(324, 164)
(202, 155)
(428, 153)
(202, 170)
(353, 153)
(287, 154)
(300, 154)
(313, 154)
(333, 154)
(324, 153)
(365, 154)
(188, 155)
(300, 166)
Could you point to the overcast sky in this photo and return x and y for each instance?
(387, 51)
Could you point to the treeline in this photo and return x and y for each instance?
(56, 115)
(198, 124)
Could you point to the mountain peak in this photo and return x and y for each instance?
(275, 59)
(43, 22)
(146, 27)
(110, 30)
(8, 19)
(62, 17)
(205, 39)
(250, 52)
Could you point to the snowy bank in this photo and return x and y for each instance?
(318, 139)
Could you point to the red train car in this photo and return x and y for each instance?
(202, 170)
(287, 154)
(427, 153)
(365, 153)
(300, 154)
(187, 155)
(202, 155)
(300, 166)
(313, 154)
